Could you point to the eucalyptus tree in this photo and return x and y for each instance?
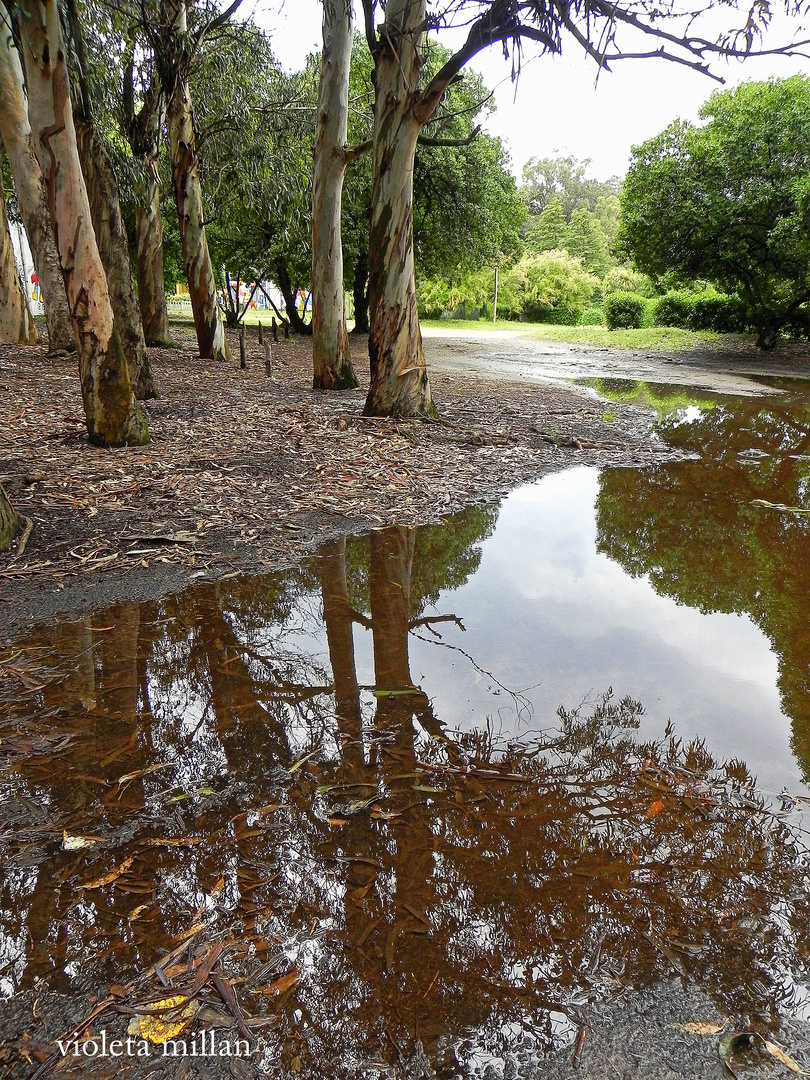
(15, 132)
(16, 322)
(405, 102)
(143, 127)
(105, 204)
(112, 415)
(175, 39)
(330, 343)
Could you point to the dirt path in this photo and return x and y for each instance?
(735, 367)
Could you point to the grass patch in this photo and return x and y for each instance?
(665, 338)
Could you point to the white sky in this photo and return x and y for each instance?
(556, 109)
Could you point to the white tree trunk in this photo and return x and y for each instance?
(113, 418)
(16, 324)
(330, 343)
(399, 380)
(15, 132)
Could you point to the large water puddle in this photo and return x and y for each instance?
(437, 789)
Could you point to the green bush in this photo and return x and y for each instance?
(624, 311)
(720, 312)
(549, 287)
(591, 316)
(674, 309)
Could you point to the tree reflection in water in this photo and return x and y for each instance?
(426, 886)
(696, 531)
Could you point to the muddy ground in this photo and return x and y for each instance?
(246, 474)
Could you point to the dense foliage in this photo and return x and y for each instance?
(729, 201)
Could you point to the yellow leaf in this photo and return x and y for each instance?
(784, 1059)
(696, 1027)
(157, 1027)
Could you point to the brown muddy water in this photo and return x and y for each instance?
(438, 789)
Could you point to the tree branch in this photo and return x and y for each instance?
(220, 20)
(371, 34)
(426, 140)
(352, 153)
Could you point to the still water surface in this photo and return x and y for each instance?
(355, 773)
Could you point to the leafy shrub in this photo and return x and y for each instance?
(436, 296)
(623, 279)
(624, 311)
(674, 309)
(720, 312)
(550, 287)
(591, 316)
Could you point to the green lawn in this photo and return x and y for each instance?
(652, 337)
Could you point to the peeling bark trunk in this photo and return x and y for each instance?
(143, 130)
(332, 362)
(111, 237)
(16, 322)
(399, 380)
(15, 132)
(10, 521)
(188, 193)
(287, 291)
(360, 294)
(113, 417)
(149, 232)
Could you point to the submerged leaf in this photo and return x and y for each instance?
(300, 762)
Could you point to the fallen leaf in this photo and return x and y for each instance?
(75, 843)
(280, 986)
(157, 1027)
(784, 1058)
(113, 875)
(655, 808)
(697, 1027)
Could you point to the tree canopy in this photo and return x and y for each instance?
(729, 201)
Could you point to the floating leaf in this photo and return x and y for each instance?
(191, 794)
(698, 1027)
(784, 1058)
(300, 762)
(157, 1027)
(143, 772)
(280, 986)
(113, 875)
(74, 843)
(730, 1044)
(396, 693)
(655, 808)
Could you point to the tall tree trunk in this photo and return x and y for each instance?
(330, 342)
(111, 237)
(16, 322)
(15, 132)
(288, 292)
(202, 287)
(10, 521)
(149, 232)
(113, 417)
(143, 130)
(360, 294)
(399, 380)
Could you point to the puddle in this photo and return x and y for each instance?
(356, 778)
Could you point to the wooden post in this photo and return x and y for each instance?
(268, 365)
(275, 331)
(286, 331)
(242, 359)
(261, 335)
(495, 301)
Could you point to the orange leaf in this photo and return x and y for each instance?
(655, 808)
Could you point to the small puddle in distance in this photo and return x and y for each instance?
(354, 774)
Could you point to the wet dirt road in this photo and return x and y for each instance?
(515, 354)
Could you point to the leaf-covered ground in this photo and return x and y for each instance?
(246, 472)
